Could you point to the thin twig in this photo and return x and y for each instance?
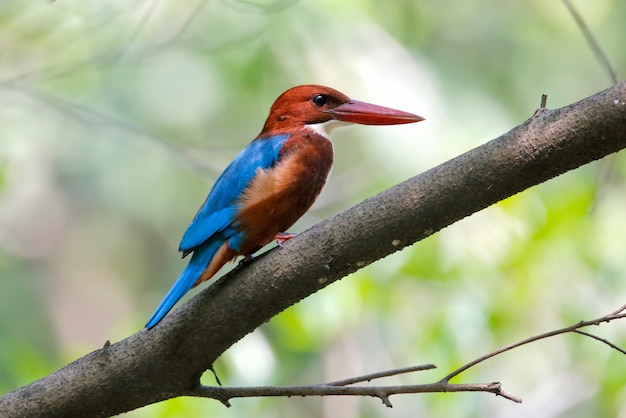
(619, 311)
(344, 387)
(572, 328)
(542, 106)
(607, 166)
(378, 375)
(224, 395)
(605, 341)
(592, 41)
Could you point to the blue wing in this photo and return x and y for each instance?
(212, 225)
(220, 206)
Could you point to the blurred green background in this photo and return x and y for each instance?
(117, 116)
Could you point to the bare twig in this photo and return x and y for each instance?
(614, 315)
(619, 311)
(607, 166)
(592, 41)
(542, 105)
(605, 341)
(378, 375)
(224, 395)
(572, 328)
(345, 388)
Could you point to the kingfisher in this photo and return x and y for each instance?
(271, 183)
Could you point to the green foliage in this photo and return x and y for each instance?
(116, 117)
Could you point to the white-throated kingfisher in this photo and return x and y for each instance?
(271, 183)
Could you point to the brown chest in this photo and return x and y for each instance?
(277, 197)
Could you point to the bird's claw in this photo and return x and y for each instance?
(246, 259)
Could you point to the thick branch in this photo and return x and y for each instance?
(167, 361)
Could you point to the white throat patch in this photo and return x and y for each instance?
(325, 128)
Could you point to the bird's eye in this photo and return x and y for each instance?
(320, 100)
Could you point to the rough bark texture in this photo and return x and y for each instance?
(168, 361)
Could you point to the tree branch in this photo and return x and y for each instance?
(378, 375)
(381, 392)
(572, 328)
(166, 362)
(224, 395)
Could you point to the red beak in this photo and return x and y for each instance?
(370, 114)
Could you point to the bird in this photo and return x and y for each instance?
(271, 183)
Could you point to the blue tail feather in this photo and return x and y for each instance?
(199, 261)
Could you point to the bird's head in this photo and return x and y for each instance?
(323, 108)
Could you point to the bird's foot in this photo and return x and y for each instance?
(283, 237)
(245, 259)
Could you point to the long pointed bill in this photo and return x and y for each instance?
(370, 114)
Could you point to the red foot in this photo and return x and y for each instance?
(283, 237)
